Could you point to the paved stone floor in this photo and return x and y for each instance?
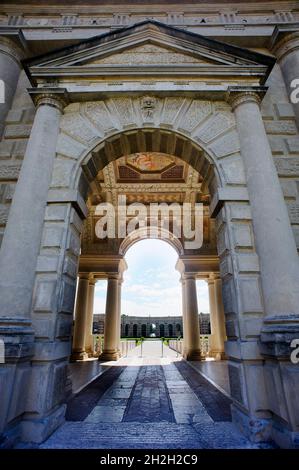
(148, 402)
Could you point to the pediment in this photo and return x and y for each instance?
(148, 45)
(148, 54)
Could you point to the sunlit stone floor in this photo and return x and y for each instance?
(148, 402)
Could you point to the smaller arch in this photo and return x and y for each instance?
(157, 233)
(170, 330)
(127, 330)
(162, 330)
(135, 330)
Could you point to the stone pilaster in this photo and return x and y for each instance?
(279, 266)
(10, 66)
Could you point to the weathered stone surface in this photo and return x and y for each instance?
(17, 131)
(197, 111)
(287, 166)
(14, 116)
(9, 171)
(44, 296)
(242, 235)
(226, 145)
(281, 127)
(251, 294)
(53, 236)
(69, 147)
(285, 110)
(62, 173)
(6, 147)
(293, 208)
(233, 170)
(293, 144)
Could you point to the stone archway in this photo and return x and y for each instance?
(79, 152)
(208, 115)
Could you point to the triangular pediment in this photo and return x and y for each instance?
(148, 54)
(148, 45)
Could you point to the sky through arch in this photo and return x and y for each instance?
(151, 284)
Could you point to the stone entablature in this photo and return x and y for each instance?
(189, 16)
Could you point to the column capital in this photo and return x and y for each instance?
(240, 95)
(13, 46)
(189, 277)
(55, 97)
(285, 39)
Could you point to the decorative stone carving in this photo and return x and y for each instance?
(148, 106)
(195, 114)
(99, 115)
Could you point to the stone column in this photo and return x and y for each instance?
(10, 66)
(78, 352)
(219, 322)
(287, 53)
(185, 323)
(279, 269)
(119, 316)
(274, 238)
(213, 319)
(89, 319)
(23, 232)
(111, 335)
(192, 348)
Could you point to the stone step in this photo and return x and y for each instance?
(78, 435)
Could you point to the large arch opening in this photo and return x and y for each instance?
(149, 166)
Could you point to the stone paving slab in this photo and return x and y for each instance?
(215, 402)
(80, 406)
(149, 401)
(124, 436)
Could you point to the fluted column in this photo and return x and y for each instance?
(192, 348)
(111, 335)
(89, 318)
(287, 52)
(78, 352)
(10, 67)
(23, 232)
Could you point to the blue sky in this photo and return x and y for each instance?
(151, 284)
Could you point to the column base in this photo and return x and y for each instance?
(218, 355)
(110, 355)
(78, 356)
(257, 430)
(39, 430)
(193, 355)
